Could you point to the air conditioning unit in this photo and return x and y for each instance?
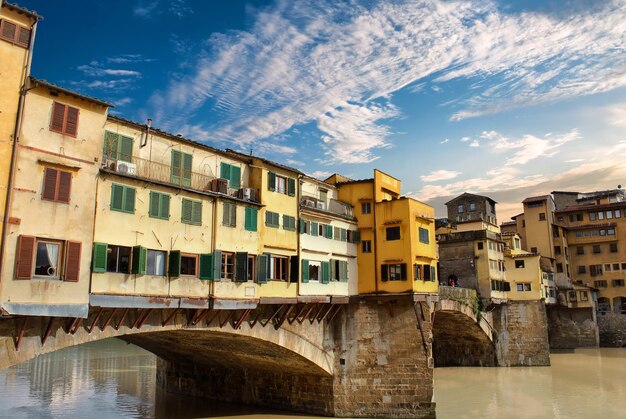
(308, 203)
(249, 194)
(219, 185)
(321, 205)
(126, 168)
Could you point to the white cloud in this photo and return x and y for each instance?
(474, 143)
(145, 9)
(465, 139)
(444, 141)
(320, 174)
(337, 64)
(93, 71)
(438, 175)
(617, 115)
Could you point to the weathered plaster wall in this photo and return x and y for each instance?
(572, 328)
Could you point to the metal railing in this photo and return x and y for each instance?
(335, 206)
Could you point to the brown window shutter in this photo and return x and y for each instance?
(23, 37)
(58, 116)
(24, 257)
(49, 184)
(65, 186)
(71, 124)
(8, 30)
(72, 261)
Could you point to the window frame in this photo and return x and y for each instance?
(66, 112)
(116, 249)
(125, 190)
(366, 246)
(154, 252)
(161, 204)
(276, 261)
(229, 214)
(366, 207)
(194, 204)
(60, 258)
(189, 256)
(226, 272)
(57, 187)
(423, 232)
(390, 233)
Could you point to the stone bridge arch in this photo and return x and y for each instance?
(462, 335)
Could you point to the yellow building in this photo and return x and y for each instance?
(397, 252)
(48, 246)
(17, 36)
(328, 242)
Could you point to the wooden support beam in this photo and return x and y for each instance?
(95, 321)
(223, 323)
(317, 313)
(272, 316)
(124, 314)
(243, 317)
(208, 322)
(73, 325)
(311, 307)
(298, 314)
(419, 325)
(76, 327)
(321, 319)
(145, 317)
(48, 331)
(108, 320)
(20, 333)
(170, 317)
(284, 317)
(137, 317)
(256, 318)
(200, 317)
(192, 320)
(337, 310)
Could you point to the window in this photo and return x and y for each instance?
(519, 264)
(47, 259)
(480, 245)
(228, 265)
(289, 223)
(600, 284)
(338, 270)
(607, 267)
(595, 270)
(366, 207)
(229, 214)
(393, 233)
(472, 206)
(181, 168)
(623, 266)
(315, 270)
(584, 296)
(118, 259)
(557, 250)
(122, 198)
(155, 263)
(559, 267)
(618, 214)
(191, 212)
(393, 272)
(461, 209)
(542, 216)
(613, 247)
(188, 265)
(596, 248)
(523, 287)
(609, 214)
(523, 223)
(271, 219)
(580, 250)
(64, 119)
(618, 282)
(159, 205)
(555, 231)
(251, 269)
(251, 219)
(423, 235)
(366, 246)
(118, 147)
(592, 216)
(610, 232)
(281, 184)
(56, 185)
(15, 34)
(582, 269)
(533, 250)
(600, 215)
(575, 217)
(278, 268)
(232, 173)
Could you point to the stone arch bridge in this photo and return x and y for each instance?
(370, 357)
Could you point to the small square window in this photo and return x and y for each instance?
(366, 246)
(393, 233)
(461, 209)
(542, 216)
(480, 245)
(366, 207)
(519, 264)
(189, 265)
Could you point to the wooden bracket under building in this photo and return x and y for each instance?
(20, 334)
(48, 331)
(420, 327)
(124, 314)
(95, 321)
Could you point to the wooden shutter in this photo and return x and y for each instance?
(333, 269)
(72, 261)
(427, 272)
(344, 275)
(433, 274)
(175, 169)
(329, 231)
(416, 271)
(129, 199)
(285, 222)
(294, 268)
(186, 211)
(263, 261)
(99, 262)
(251, 219)
(325, 272)
(110, 144)
(314, 229)
(155, 204)
(403, 271)
(71, 122)
(233, 215)
(275, 216)
(206, 266)
(305, 270)
(241, 267)
(174, 264)
(383, 270)
(235, 177)
(165, 206)
(23, 37)
(356, 236)
(302, 226)
(196, 215)
(125, 149)
(226, 213)
(187, 165)
(139, 260)
(49, 184)
(291, 187)
(217, 264)
(65, 186)
(225, 170)
(24, 257)
(117, 197)
(271, 181)
(8, 30)
(58, 117)
(254, 213)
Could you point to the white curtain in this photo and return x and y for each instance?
(159, 263)
(53, 257)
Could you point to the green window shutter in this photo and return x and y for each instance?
(285, 222)
(139, 260)
(329, 231)
(314, 229)
(165, 206)
(356, 236)
(226, 213)
(117, 197)
(263, 269)
(110, 145)
(344, 235)
(291, 187)
(186, 211)
(174, 264)
(337, 233)
(247, 219)
(305, 270)
(433, 274)
(125, 149)
(206, 266)
(241, 267)
(275, 216)
(235, 177)
(271, 181)
(99, 257)
(251, 219)
(196, 215)
(325, 272)
(344, 276)
(233, 215)
(255, 218)
(155, 205)
(333, 268)
(187, 165)
(302, 226)
(217, 265)
(129, 200)
(225, 170)
(175, 169)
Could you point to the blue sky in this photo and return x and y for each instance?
(503, 98)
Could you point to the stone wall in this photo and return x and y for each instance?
(457, 258)
(572, 327)
(521, 334)
(612, 328)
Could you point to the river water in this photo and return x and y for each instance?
(111, 379)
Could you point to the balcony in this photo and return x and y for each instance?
(336, 207)
(163, 173)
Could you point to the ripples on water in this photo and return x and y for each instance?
(110, 379)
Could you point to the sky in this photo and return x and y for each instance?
(507, 98)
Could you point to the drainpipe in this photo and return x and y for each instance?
(18, 126)
(375, 230)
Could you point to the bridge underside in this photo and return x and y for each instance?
(459, 341)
